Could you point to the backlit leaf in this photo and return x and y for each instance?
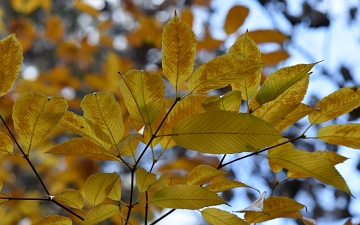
(86, 129)
(246, 47)
(100, 213)
(231, 101)
(279, 81)
(6, 144)
(98, 186)
(202, 174)
(274, 207)
(220, 72)
(273, 166)
(54, 220)
(35, 115)
(225, 185)
(185, 197)
(220, 217)
(115, 193)
(223, 132)
(144, 179)
(128, 144)
(71, 198)
(309, 164)
(339, 134)
(235, 18)
(299, 112)
(188, 106)
(178, 51)
(11, 56)
(81, 147)
(102, 110)
(336, 104)
(143, 93)
(274, 111)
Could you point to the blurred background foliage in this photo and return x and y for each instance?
(75, 47)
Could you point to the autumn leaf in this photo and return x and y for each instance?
(231, 101)
(81, 147)
(98, 186)
(11, 56)
(341, 134)
(185, 197)
(143, 93)
(54, 220)
(178, 51)
(220, 217)
(263, 36)
(223, 132)
(115, 193)
(277, 109)
(128, 145)
(334, 105)
(309, 164)
(225, 185)
(202, 174)
(299, 112)
(235, 18)
(274, 207)
(6, 144)
(35, 115)
(102, 110)
(220, 72)
(245, 47)
(280, 80)
(144, 179)
(100, 213)
(71, 198)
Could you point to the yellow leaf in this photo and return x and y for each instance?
(332, 157)
(235, 18)
(164, 181)
(100, 213)
(341, 134)
(6, 144)
(11, 56)
(54, 220)
(277, 109)
(71, 198)
(223, 132)
(115, 193)
(309, 164)
(231, 101)
(188, 106)
(25, 6)
(101, 109)
(203, 174)
(220, 72)
(98, 186)
(288, 146)
(187, 16)
(83, 7)
(274, 207)
(220, 217)
(90, 131)
(185, 197)
(275, 57)
(143, 93)
(178, 51)
(279, 81)
(336, 104)
(261, 36)
(80, 147)
(225, 185)
(144, 179)
(299, 112)
(35, 115)
(128, 144)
